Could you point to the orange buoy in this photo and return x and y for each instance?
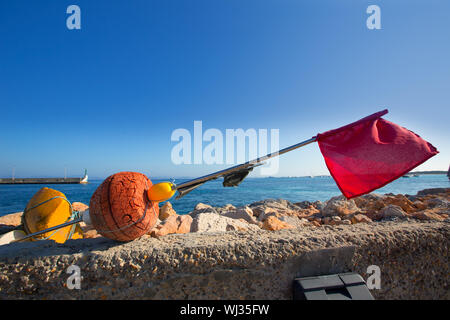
(120, 209)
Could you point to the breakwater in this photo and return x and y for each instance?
(412, 256)
(253, 252)
(42, 180)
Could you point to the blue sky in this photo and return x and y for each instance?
(107, 97)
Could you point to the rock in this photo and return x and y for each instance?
(373, 196)
(173, 224)
(202, 208)
(158, 222)
(401, 201)
(79, 206)
(212, 222)
(372, 203)
(319, 205)
(168, 226)
(245, 213)
(229, 207)
(368, 200)
(432, 214)
(86, 227)
(436, 202)
(339, 206)
(258, 210)
(370, 206)
(412, 198)
(267, 212)
(278, 204)
(225, 208)
(392, 211)
(315, 218)
(185, 222)
(13, 219)
(303, 204)
(90, 234)
(303, 221)
(279, 208)
(307, 212)
(332, 221)
(335, 220)
(349, 216)
(10, 221)
(360, 218)
(428, 216)
(273, 224)
(316, 223)
(294, 221)
(245, 226)
(166, 211)
(420, 205)
(433, 191)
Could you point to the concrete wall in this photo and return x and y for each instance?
(40, 180)
(413, 257)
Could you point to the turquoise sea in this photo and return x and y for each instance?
(14, 198)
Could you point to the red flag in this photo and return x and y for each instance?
(370, 153)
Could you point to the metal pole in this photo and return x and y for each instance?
(245, 165)
(69, 223)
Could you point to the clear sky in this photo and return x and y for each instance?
(107, 97)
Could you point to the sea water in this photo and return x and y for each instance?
(14, 198)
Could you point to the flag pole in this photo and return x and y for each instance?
(245, 165)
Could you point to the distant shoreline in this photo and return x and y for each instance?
(258, 177)
(429, 172)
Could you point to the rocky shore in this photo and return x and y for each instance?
(249, 252)
(279, 214)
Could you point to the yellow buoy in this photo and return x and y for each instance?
(46, 209)
(161, 191)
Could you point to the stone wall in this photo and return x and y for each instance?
(412, 255)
